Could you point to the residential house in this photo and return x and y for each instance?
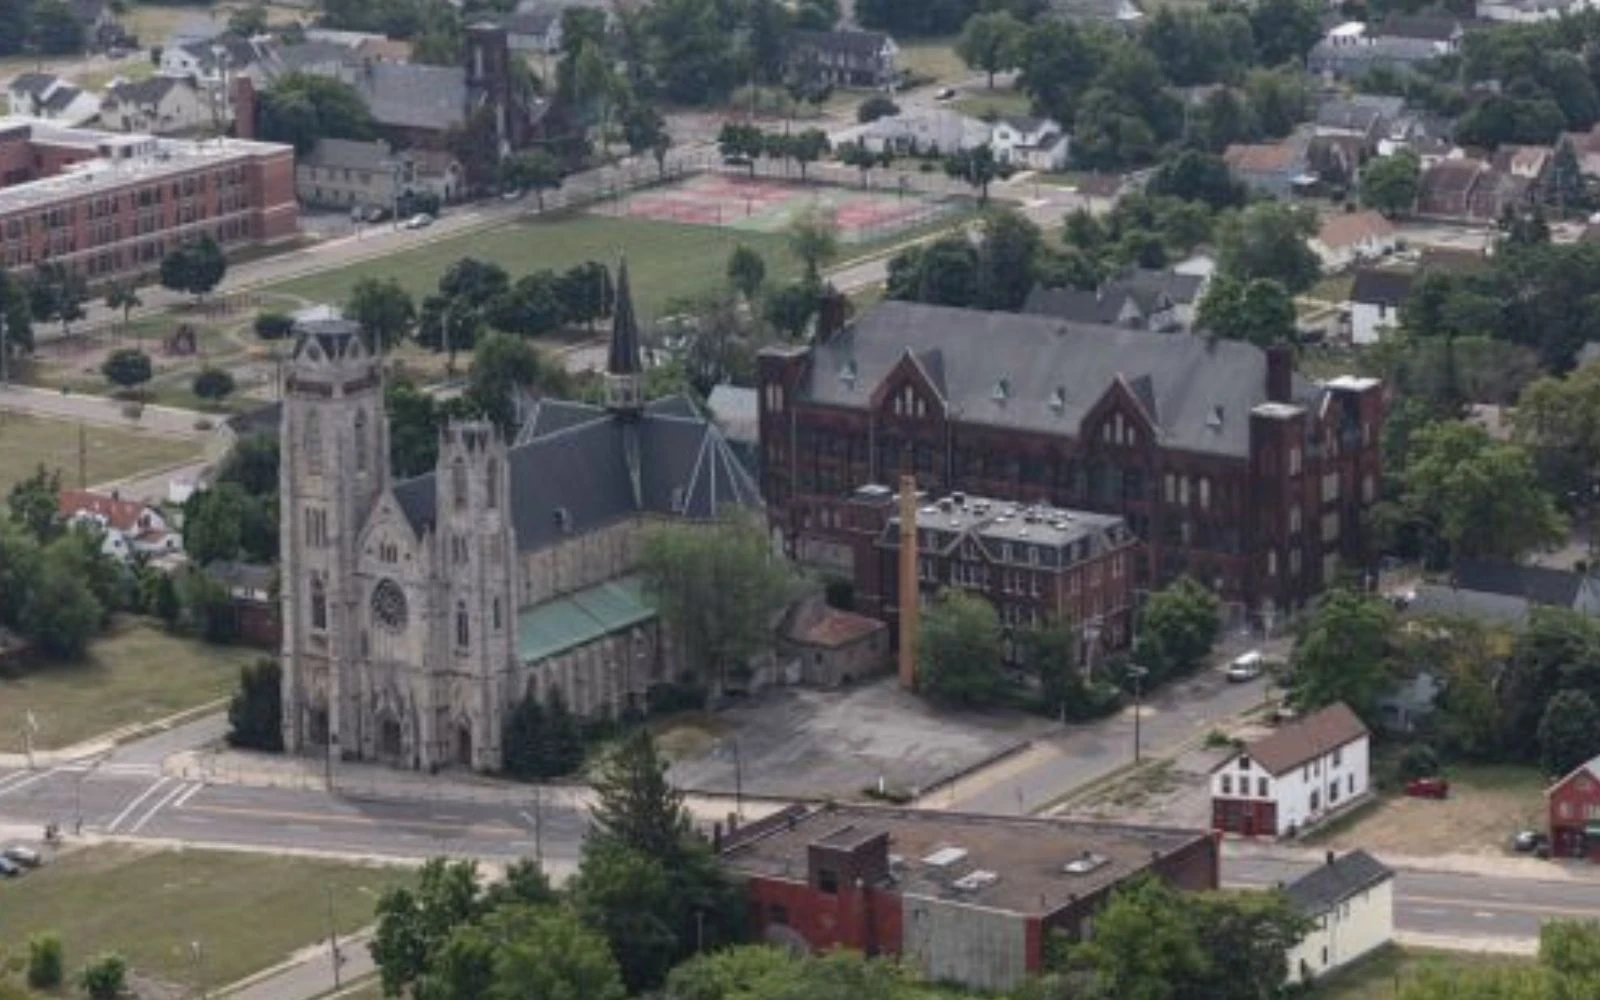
(1442, 31)
(963, 898)
(1353, 58)
(1124, 14)
(1364, 116)
(1505, 592)
(1112, 304)
(1345, 238)
(160, 105)
(252, 594)
(1375, 301)
(1294, 777)
(1278, 169)
(1349, 900)
(362, 45)
(1424, 133)
(534, 29)
(101, 30)
(1183, 289)
(930, 130)
(1529, 11)
(1587, 146)
(345, 173)
(129, 527)
(1470, 190)
(1334, 163)
(1031, 143)
(1530, 163)
(207, 61)
(52, 98)
(1573, 805)
(829, 647)
(843, 58)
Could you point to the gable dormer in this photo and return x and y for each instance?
(913, 389)
(1124, 417)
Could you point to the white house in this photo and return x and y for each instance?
(1293, 777)
(129, 527)
(1350, 901)
(160, 105)
(1348, 237)
(1375, 301)
(51, 98)
(1033, 143)
(925, 131)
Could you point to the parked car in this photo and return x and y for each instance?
(1528, 841)
(1246, 667)
(1428, 788)
(422, 220)
(376, 213)
(9, 869)
(944, 94)
(27, 857)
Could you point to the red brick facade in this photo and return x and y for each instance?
(1574, 813)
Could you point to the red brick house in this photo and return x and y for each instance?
(958, 897)
(1224, 462)
(1574, 804)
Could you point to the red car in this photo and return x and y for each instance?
(1428, 788)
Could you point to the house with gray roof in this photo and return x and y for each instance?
(51, 98)
(1334, 61)
(160, 105)
(1349, 900)
(923, 130)
(345, 173)
(841, 58)
(1136, 307)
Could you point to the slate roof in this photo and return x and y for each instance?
(1335, 881)
(1076, 305)
(1181, 289)
(855, 44)
(1299, 742)
(1373, 287)
(1184, 379)
(1357, 114)
(1348, 60)
(150, 90)
(412, 95)
(240, 52)
(61, 97)
(350, 153)
(33, 84)
(1538, 584)
(1442, 600)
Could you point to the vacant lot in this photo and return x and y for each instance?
(935, 58)
(245, 911)
(666, 260)
(1487, 805)
(993, 103)
(1382, 976)
(108, 452)
(136, 673)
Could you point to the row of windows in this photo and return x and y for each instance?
(1262, 786)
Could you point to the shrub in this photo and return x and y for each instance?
(44, 962)
(105, 977)
(274, 325)
(213, 383)
(875, 107)
(1218, 740)
(1419, 760)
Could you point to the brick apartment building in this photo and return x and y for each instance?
(958, 897)
(1226, 463)
(1035, 564)
(107, 204)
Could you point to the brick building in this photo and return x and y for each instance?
(1574, 804)
(107, 204)
(1226, 463)
(958, 897)
(1035, 564)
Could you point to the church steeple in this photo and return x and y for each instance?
(624, 369)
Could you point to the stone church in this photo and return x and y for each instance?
(416, 614)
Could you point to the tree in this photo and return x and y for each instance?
(813, 237)
(1284, 30)
(958, 652)
(475, 280)
(807, 147)
(1180, 624)
(718, 590)
(547, 954)
(300, 108)
(586, 292)
(414, 923)
(944, 272)
(413, 429)
(626, 894)
(164, 602)
(123, 295)
(542, 741)
(247, 22)
(1202, 177)
(16, 311)
(746, 271)
(646, 132)
(502, 366)
(535, 170)
(450, 325)
(255, 713)
(1144, 944)
(859, 155)
(531, 307)
(875, 107)
(1390, 183)
(127, 368)
(635, 805)
(1008, 259)
(991, 42)
(252, 464)
(56, 292)
(212, 384)
(384, 309)
(56, 30)
(105, 978)
(1258, 311)
(274, 325)
(35, 503)
(1268, 240)
(46, 965)
(195, 267)
(1565, 189)
(1343, 653)
(790, 309)
(1569, 732)
(976, 166)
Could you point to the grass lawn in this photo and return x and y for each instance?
(1488, 803)
(993, 103)
(111, 453)
(933, 57)
(134, 673)
(1381, 976)
(666, 260)
(1333, 288)
(247, 911)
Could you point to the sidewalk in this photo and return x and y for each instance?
(1488, 866)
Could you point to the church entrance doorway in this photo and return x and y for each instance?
(389, 740)
(464, 745)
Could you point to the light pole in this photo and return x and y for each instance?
(199, 967)
(1136, 674)
(333, 940)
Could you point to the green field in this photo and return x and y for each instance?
(1383, 975)
(993, 103)
(246, 911)
(135, 673)
(110, 453)
(666, 260)
(933, 57)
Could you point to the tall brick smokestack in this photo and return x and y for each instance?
(910, 594)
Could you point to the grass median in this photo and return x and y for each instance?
(108, 453)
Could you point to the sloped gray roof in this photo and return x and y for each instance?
(61, 97)
(411, 95)
(1335, 881)
(574, 475)
(1182, 289)
(1188, 377)
(1372, 287)
(33, 84)
(1076, 305)
(150, 90)
(350, 153)
(858, 44)
(1442, 600)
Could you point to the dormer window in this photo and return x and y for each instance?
(847, 374)
(1002, 389)
(1214, 421)
(1058, 399)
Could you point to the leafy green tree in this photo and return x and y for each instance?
(413, 428)
(635, 806)
(1284, 30)
(1390, 183)
(105, 978)
(164, 603)
(977, 167)
(1258, 311)
(1268, 240)
(247, 22)
(195, 267)
(813, 237)
(585, 292)
(46, 963)
(56, 30)
(958, 652)
(17, 313)
(741, 141)
(1196, 176)
(746, 271)
(123, 295)
(384, 309)
(807, 147)
(450, 324)
(1279, 99)
(502, 365)
(213, 383)
(645, 131)
(255, 713)
(1177, 629)
(414, 923)
(127, 368)
(535, 170)
(859, 155)
(57, 292)
(1344, 653)
(791, 308)
(944, 272)
(35, 505)
(1008, 259)
(1565, 189)
(990, 42)
(875, 107)
(547, 954)
(627, 896)
(718, 589)
(1144, 945)
(541, 742)
(300, 108)
(252, 463)
(272, 325)
(1569, 731)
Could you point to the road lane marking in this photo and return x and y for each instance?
(359, 820)
(156, 786)
(1483, 914)
(184, 801)
(1533, 908)
(160, 805)
(28, 779)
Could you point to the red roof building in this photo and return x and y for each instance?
(1574, 806)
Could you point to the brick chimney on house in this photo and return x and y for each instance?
(1280, 373)
(244, 106)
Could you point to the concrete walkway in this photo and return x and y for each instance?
(170, 421)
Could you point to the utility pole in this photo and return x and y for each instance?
(5, 356)
(83, 457)
(1136, 673)
(738, 780)
(333, 940)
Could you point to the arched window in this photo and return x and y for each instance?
(458, 482)
(314, 442)
(319, 604)
(491, 482)
(497, 614)
(361, 440)
(463, 627)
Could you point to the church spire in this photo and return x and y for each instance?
(624, 369)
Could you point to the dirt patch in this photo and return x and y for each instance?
(1172, 792)
(690, 735)
(1486, 807)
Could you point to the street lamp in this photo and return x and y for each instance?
(1136, 674)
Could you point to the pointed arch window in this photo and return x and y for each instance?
(314, 442)
(463, 626)
(361, 440)
(458, 483)
(319, 604)
(491, 483)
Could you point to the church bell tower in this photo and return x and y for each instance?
(624, 382)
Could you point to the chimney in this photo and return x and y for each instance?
(910, 594)
(1280, 373)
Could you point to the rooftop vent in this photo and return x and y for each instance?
(847, 374)
(563, 520)
(973, 881)
(947, 504)
(960, 498)
(1058, 398)
(1002, 390)
(944, 857)
(1214, 421)
(1085, 863)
